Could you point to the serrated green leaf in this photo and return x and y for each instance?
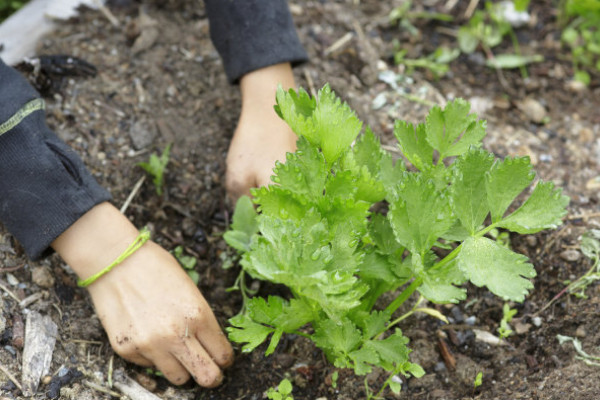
(336, 338)
(244, 330)
(304, 172)
(504, 272)
(420, 215)
(469, 199)
(244, 225)
(336, 124)
(297, 109)
(382, 234)
(391, 351)
(277, 201)
(445, 127)
(363, 359)
(372, 323)
(504, 182)
(391, 175)
(414, 145)
(341, 186)
(438, 284)
(544, 209)
(367, 151)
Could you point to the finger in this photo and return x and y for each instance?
(138, 360)
(211, 336)
(172, 369)
(198, 362)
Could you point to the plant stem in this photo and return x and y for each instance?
(515, 42)
(398, 301)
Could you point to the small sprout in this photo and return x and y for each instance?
(507, 315)
(283, 391)
(478, 380)
(156, 168)
(188, 263)
(334, 379)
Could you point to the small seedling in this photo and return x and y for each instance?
(581, 20)
(488, 28)
(334, 379)
(188, 263)
(405, 17)
(156, 168)
(437, 62)
(478, 380)
(283, 391)
(505, 329)
(581, 354)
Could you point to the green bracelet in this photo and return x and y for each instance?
(133, 247)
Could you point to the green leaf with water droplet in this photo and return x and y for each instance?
(505, 181)
(469, 198)
(504, 272)
(420, 215)
(544, 209)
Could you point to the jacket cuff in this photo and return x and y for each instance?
(253, 34)
(44, 186)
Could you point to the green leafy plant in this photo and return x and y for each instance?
(283, 391)
(507, 315)
(156, 168)
(478, 380)
(582, 355)
(590, 247)
(188, 263)
(581, 33)
(404, 17)
(317, 233)
(437, 62)
(488, 28)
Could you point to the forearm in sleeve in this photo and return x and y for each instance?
(252, 34)
(44, 186)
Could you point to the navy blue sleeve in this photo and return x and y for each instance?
(44, 186)
(252, 34)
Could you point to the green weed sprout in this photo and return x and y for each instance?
(156, 168)
(283, 391)
(188, 263)
(507, 315)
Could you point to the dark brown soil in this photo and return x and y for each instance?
(176, 92)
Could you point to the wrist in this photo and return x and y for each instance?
(95, 240)
(258, 87)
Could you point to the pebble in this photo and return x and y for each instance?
(581, 332)
(42, 277)
(142, 134)
(470, 320)
(586, 135)
(531, 241)
(533, 110)
(570, 255)
(12, 280)
(537, 321)
(576, 86)
(593, 184)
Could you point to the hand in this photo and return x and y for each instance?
(153, 313)
(261, 137)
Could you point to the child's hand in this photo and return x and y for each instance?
(153, 313)
(261, 136)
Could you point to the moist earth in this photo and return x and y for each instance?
(154, 89)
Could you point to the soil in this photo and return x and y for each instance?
(175, 91)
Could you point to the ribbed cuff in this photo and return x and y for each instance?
(252, 34)
(44, 186)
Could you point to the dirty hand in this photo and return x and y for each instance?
(261, 137)
(153, 313)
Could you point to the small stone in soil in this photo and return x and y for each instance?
(42, 277)
(537, 321)
(570, 255)
(581, 332)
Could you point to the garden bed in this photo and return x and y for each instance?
(174, 91)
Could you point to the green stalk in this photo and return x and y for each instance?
(394, 305)
(515, 42)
